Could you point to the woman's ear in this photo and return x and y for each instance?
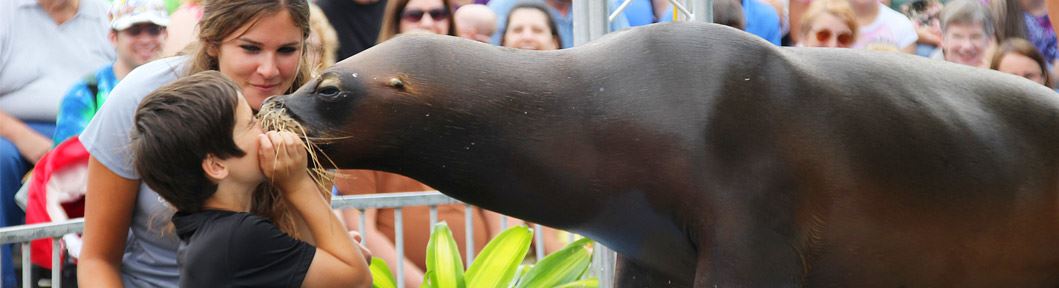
(214, 168)
(212, 50)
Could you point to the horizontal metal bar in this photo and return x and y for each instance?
(25, 233)
(391, 200)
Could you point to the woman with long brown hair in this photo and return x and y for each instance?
(260, 45)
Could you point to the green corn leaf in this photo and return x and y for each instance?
(443, 259)
(426, 280)
(587, 283)
(380, 274)
(561, 267)
(496, 265)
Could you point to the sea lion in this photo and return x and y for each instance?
(707, 157)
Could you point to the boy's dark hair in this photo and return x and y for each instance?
(176, 128)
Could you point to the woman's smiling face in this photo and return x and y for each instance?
(262, 57)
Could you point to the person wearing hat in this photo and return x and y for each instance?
(138, 33)
(137, 30)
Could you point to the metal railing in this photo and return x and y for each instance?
(592, 18)
(602, 261)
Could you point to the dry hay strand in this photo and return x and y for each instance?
(268, 200)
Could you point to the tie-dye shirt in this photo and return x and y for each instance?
(80, 105)
(1040, 32)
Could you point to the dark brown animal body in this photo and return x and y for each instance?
(706, 157)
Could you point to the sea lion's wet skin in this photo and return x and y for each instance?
(705, 156)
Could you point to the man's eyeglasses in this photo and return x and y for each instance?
(135, 30)
(416, 15)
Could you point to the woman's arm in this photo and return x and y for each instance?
(337, 263)
(109, 203)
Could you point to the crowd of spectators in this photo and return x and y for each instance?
(60, 60)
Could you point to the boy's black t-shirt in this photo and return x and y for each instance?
(236, 249)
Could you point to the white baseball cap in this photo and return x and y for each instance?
(125, 13)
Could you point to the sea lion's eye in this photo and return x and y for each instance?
(329, 91)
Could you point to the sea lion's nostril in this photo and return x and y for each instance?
(396, 83)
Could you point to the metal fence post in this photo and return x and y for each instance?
(581, 20)
(703, 10)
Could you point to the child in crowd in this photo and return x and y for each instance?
(197, 143)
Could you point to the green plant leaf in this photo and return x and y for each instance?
(380, 274)
(443, 259)
(561, 267)
(586, 283)
(496, 265)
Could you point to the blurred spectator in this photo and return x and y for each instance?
(966, 32)
(880, 25)
(182, 27)
(760, 18)
(1039, 29)
(562, 12)
(529, 26)
(45, 47)
(729, 13)
(1053, 12)
(780, 6)
(925, 16)
(356, 23)
(828, 23)
(643, 12)
(1019, 57)
(138, 32)
(416, 16)
(476, 22)
(795, 10)
(1008, 19)
(322, 43)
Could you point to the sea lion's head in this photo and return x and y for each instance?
(372, 104)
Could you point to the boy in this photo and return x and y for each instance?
(196, 142)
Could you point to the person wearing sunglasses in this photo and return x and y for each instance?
(138, 33)
(416, 16)
(828, 23)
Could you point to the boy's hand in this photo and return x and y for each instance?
(282, 158)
